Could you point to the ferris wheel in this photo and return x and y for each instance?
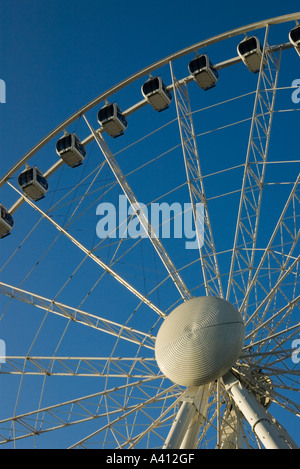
(149, 270)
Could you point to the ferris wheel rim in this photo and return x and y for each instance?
(105, 95)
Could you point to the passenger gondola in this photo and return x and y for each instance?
(250, 52)
(6, 222)
(204, 73)
(112, 120)
(294, 37)
(33, 183)
(71, 150)
(156, 93)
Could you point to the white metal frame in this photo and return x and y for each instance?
(207, 251)
(271, 434)
(193, 403)
(253, 179)
(149, 230)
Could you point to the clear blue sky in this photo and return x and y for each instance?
(56, 56)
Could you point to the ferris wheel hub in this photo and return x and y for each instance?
(199, 341)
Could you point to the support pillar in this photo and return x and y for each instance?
(270, 433)
(186, 426)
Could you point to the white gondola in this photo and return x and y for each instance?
(6, 222)
(156, 93)
(33, 183)
(294, 37)
(250, 52)
(204, 73)
(112, 120)
(71, 150)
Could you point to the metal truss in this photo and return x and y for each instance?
(112, 367)
(80, 410)
(149, 230)
(91, 255)
(231, 429)
(206, 246)
(78, 316)
(253, 179)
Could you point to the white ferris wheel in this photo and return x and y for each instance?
(180, 331)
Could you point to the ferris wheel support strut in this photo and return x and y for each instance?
(270, 433)
(189, 419)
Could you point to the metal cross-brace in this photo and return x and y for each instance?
(253, 179)
(231, 436)
(209, 262)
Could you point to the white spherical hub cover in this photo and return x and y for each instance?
(199, 341)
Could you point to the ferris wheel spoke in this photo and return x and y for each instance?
(280, 316)
(254, 174)
(76, 315)
(204, 234)
(282, 378)
(164, 417)
(92, 256)
(268, 346)
(276, 310)
(64, 414)
(266, 301)
(274, 366)
(113, 424)
(108, 367)
(138, 211)
(135, 404)
(285, 402)
(285, 236)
